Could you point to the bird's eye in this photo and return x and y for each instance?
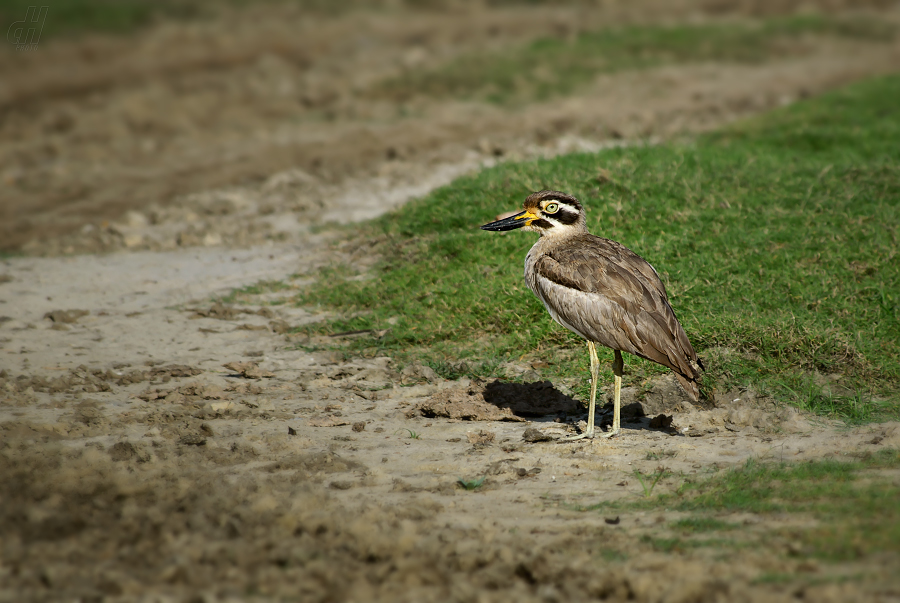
(551, 208)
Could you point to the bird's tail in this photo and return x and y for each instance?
(690, 383)
(690, 386)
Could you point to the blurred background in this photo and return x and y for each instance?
(156, 124)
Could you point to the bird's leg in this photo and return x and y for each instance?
(618, 366)
(595, 369)
(592, 409)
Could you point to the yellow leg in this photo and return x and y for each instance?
(595, 370)
(618, 367)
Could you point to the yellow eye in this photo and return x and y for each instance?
(551, 208)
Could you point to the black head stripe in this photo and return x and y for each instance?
(565, 215)
(542, 224)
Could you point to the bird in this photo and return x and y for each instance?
(602, 291)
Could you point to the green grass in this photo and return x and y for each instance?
(777, 240)
(696, 525)
(648, 482)
(848, 508)
(552, 66)
(74, 17)
(857, 512)
(412, 434)
(248, 293)
(67, 17)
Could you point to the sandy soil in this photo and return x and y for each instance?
(158, 446)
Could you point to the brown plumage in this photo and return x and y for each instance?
(625, 308)
(602, 291)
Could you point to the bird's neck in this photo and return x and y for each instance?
(565, 232)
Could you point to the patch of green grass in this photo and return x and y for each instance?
(554, 66)
(245, 294)
(783, 487)
(696, 525)
(845, 509)
(456, 370)
(777, 240)
(856, 515)
(613, 555)
(66, 17)
(853, 505)
(676, 543)
(853, 409)
(73, 17)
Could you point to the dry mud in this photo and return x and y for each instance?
(158, 446)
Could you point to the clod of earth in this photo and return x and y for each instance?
(661, 422)
(249, 370)
(66, 316)
(533, 435)
(482, 438)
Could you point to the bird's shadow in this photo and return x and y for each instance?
(541, 401)
(537, 399)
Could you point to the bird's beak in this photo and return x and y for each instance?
(523, 218)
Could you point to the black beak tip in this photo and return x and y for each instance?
(509, 223)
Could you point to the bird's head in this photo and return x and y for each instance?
(545, 212)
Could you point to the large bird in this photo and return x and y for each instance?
(602, 291)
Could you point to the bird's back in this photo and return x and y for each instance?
(606, 293)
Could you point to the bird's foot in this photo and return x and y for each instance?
(587, 435)
(611, 433)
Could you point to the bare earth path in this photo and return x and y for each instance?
(136, 466)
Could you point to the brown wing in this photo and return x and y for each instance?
(605, 292)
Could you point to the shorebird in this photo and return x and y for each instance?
(602, 291)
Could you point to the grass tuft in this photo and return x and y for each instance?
(648, 484)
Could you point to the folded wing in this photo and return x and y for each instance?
(605, 292)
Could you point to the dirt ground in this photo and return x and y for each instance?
(157, 446)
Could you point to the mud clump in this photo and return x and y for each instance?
(248, 370)
(533, 435)
(66, 316)
(127, 451)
